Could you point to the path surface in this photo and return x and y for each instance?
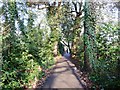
(63, 76)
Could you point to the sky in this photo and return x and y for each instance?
(107, 14)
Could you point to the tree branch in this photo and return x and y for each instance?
(64, 43)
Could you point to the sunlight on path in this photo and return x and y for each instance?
(63, 76)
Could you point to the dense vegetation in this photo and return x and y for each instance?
(29, 45)
(26, 54)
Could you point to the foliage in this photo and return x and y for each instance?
(89, 38)
(28, 50)
(105, 74)
(25, 55)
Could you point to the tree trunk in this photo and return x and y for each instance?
(87, 66)
(55, 49)
(86, 54)
(70, 51)
(118, 65)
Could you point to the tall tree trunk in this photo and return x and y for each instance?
(118, 65)
(87, 66)
(86, 54)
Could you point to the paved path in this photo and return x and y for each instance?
(63, 76)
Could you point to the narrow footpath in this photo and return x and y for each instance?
(63, 76)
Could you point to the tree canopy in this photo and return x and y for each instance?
(33, 33)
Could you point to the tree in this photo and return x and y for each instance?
(118, 65)
(89, 37)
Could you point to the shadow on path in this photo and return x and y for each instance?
(63, 76)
